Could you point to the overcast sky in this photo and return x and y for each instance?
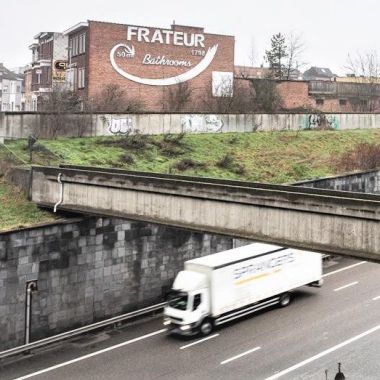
(330, 28)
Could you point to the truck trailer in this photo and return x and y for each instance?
(224, 286)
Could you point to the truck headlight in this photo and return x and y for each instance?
(167, 322)
(185, 327)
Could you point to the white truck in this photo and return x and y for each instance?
(221, 287)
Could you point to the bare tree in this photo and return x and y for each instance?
(364, 65)
(252, 53)
(229, 97)
(365, 68)
(266, 98)
(58, 105)
(295, 50)
(113, 98)
(285, 55)
(177, 97)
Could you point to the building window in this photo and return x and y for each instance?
(77, 44)
(320, 102)
(71, 78)
(222, 84)
(71, 47)
(342, 102)
(82, 43)
(81, 77)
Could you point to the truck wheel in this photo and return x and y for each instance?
(206, 327)
(285, 299)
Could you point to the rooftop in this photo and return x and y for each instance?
(7, 74)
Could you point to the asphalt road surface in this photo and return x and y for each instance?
(338, 323)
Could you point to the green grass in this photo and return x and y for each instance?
(266, 156)
(281, 157)
(16, 211)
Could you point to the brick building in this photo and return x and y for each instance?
(49, 54)
(149, 62)
(177, 69)
(329, 96)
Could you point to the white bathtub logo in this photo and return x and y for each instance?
(190, 74)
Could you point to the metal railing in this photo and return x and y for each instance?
(81, 330)
(344, 89)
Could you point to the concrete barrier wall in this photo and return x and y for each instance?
(89, 270)
(21, 125)
(362, 182)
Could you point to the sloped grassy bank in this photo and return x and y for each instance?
(277, 157)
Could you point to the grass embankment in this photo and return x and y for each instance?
(281, 157)
(16, 211)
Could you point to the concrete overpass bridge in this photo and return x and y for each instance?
(327, 221)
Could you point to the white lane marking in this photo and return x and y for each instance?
(346, 286)
(90, 355)
(323, 353)
(343, 269)
(199, 341)
(240, 355)
(376, 298)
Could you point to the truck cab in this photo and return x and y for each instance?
(188, 305)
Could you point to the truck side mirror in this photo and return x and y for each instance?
(166, 292)
(197, 301)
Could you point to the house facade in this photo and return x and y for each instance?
(10, 90)
(47, 69)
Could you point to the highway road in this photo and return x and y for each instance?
(338, 323)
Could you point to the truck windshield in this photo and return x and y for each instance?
(179, 301)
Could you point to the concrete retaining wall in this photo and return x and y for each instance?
(89, 270)
(21, 125)
(363, 182)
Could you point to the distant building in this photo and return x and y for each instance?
(49, 61)
(352, 78)
(30, 98)
(250, 72)
(329, 96)
(318, 73)
(10, 90)
(19, 70)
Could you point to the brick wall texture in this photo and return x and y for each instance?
(89, 270)
(102, 37)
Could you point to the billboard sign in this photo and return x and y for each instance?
(171, 56)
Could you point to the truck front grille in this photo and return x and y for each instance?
(174, 319)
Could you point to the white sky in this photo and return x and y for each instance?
(330, 28)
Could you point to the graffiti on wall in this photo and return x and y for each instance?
(321, 121)
(120, 125)
(201, 123)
